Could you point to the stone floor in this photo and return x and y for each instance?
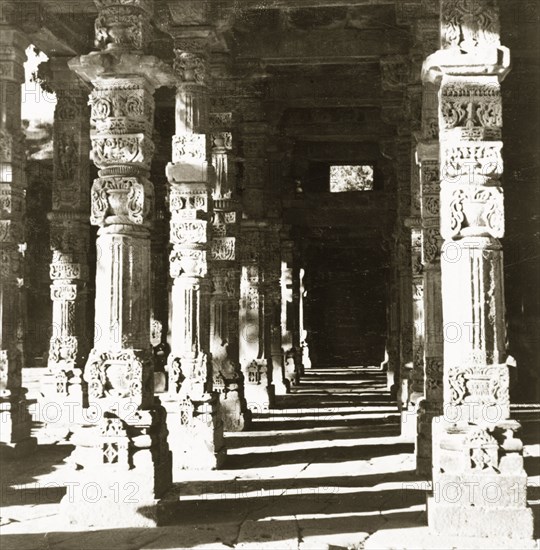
(327, 469)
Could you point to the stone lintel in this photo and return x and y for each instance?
(111, 64)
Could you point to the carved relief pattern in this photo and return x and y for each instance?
(434, 379)
(123, 25)
(118, 375)
(189, 148)
(471, 162)
(117, 199)
(220, 120)
(191, 62)
(431, 245)
(473, 211)
(190, 232)
(479, 384)
(223, 248)
(467, 24)
(126, 149)
(256, 373)
(473, 109)
(191, 211)
(481, 450)
(394, 72)
(12, 235)
(121, 106)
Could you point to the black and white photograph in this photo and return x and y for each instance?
(269, 274)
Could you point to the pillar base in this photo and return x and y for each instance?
(492, 522)
(408, 423)
(258, 392)
(259, 398)
(424, 440)
(280, 388)
(60, 414)
(120, 503)
(290, 369)
(121, 467)
(479, 484)
(195, 432)
(234, 413)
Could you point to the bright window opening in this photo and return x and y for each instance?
(351, 178)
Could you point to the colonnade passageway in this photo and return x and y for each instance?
(326, 468)
(252, 283)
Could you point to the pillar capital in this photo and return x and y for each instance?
(13, 44)
(123, 25)
(469, 42)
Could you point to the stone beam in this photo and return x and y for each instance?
(67, 32)
(296, 4)
(320, 46)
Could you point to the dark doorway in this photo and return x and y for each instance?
(345, 307)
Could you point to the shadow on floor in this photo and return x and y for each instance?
(335, 453)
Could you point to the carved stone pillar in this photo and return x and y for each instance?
(253, 335)
(305, 358)
(228, 379)
(431, 405)
(256, 292)
(416, 382)
(14, 416)
(290, 333)
(427, 159)
(478, 475)
(126, 430)
(404, 268)
(272, 266)
(69, 241)
(195, 424)
(391, 360)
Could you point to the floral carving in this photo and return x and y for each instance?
(487, 385)
(190, 66)
(62, 293)
(394, 72)
(473, 211)
(470, 106)
(223, 248)
(64, 270)
(467, 24)
(122, 107)
(122, 26)
(472, 162)
(125, 199)
(189, 148)
(189, 232)
(63, 349)
(184, 203)
(119, 374)
(431, 245)
(188, 262)
(125, 149)
(482, 449)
